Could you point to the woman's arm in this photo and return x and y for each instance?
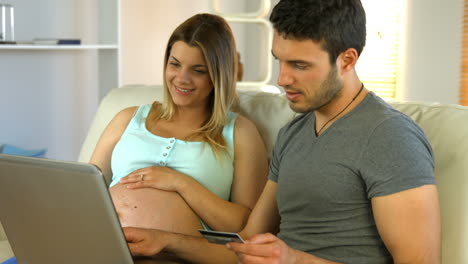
(148, 242)
(250, 175)
(102, 153)
(250, 171)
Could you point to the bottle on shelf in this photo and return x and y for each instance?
(7, 22)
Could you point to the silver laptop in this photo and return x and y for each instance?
(59, 212)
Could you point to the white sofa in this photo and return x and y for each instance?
(445, 125)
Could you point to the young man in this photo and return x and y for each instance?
(351, 180)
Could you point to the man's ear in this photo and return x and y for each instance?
(347, 60)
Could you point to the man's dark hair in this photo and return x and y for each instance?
(336, 25)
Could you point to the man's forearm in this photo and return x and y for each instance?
(304, 258)
(267, 248)
(198, 250)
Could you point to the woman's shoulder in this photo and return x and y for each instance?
(119, 122)
(128, 111)
(243, 122)
(125, 115)
(248, 140)
(244, 127)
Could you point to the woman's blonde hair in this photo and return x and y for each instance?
(214, 37)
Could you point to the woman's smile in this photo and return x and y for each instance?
(183, 91)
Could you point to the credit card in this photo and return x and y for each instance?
(221, 238)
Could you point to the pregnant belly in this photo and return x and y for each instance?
(152, 208)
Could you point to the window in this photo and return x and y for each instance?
(464, 64)
(378, 64)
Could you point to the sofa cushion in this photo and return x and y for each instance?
(446, 127)
(5, 251)
(268, 111)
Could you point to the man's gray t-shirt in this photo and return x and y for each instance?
(325, 183)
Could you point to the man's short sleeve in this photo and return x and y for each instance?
(397, 157)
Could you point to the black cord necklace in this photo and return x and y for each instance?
(329, 120)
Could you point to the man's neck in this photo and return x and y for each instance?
(343, 103)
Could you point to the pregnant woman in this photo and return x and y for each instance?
(191, 161)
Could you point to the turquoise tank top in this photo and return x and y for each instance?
(139, 148)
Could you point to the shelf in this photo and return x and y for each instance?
(52, 91)
(58, 47)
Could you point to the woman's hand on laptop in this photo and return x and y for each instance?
(157, 177)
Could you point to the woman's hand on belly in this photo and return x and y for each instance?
(218, 213)
(157, 177)
(153, 208)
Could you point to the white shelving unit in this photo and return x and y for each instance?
(57, 47)
(256, 20)
(49, 93)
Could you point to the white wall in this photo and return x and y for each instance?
(432, 51)
(431, 59)
(146, 25)
(429, 68)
